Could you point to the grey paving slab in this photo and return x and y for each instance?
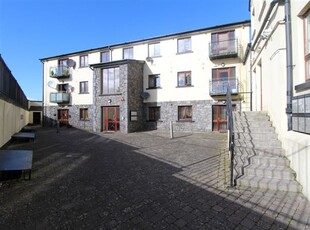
(83, 180)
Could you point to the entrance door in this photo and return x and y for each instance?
(110, 118)
(63, 116)
(219, 118)
(36, 118)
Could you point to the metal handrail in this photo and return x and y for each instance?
(231, 135)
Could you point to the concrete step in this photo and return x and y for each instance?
(240, 150)
(252, 129)
(258, 143)
(270, 161)
(269, 183)
(272, 171)
(256, 136)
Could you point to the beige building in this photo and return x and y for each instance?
(146, 84)
(280, 75)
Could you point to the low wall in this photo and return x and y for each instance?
(297, 146)
(12, 120)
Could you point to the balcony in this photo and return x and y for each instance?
(219, 87)
(60, 72)
(60, 97)
(223, 49)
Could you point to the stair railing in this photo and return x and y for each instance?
(231, 135)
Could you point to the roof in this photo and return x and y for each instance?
(150, 39)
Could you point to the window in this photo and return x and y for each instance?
(105, 56)
(110, 81)
(185, 113)
(63, 62)
(84, 114)
(128, 53)
(154, 81)
(184, 79)
(62, 87)
(84, 87)
(223, 43)
(307, 44)
(223, 77)
(184, 45)
(154, 50)
(84, 61)
(154, 113)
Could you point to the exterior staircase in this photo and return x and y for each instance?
(259, 158)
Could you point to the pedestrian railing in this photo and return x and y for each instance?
(231, 137)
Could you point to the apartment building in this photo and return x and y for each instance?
(146, 84)
(281, 75)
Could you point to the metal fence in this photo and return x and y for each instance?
(10, 90)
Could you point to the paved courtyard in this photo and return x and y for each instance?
(83, 180)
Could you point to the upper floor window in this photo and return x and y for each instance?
(184, 45)
(84, 61)
(63, 62)
(307, 44)
(154, 81)
(223, 43)
(154, 50)
(154, 113)
(84, 87)
(128, 53)
(185, 113)
(105, 56)
(110, 81)
(184, 79)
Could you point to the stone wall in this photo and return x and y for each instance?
(201, 120)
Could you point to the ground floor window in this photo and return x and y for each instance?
(84, 114)
(154, 113)
(185, 113)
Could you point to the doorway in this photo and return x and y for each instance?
(110, 118)
(36, 118)
(63, 117)
(219, 118)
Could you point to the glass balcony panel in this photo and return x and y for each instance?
(59, 97)
(219, 87)
(223, 49)
(60, 72)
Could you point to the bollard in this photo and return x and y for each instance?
(171, 129)
(57, 125)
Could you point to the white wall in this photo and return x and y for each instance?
(12, 120)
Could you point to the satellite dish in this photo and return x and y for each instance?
(70, 63)
(144, 95)
(51, 84)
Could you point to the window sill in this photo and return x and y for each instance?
(186, 52)
(155, 56)
(154, 88)
(185, 86)
(110, 94)
(185, 121)
(83, 67)
(303, 86)
(84, 93)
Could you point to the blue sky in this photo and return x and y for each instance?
(34, 29)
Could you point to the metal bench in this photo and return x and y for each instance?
(15, 160)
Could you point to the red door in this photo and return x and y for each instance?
(63, 116)
(219, 118)
(110, 118)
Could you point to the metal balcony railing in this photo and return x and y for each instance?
(60, 97)
(223, 49)
(60, 72)
(219, 87)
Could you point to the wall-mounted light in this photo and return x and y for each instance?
(109, 101)
(223, 64)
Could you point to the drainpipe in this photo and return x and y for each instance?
(289, 63)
